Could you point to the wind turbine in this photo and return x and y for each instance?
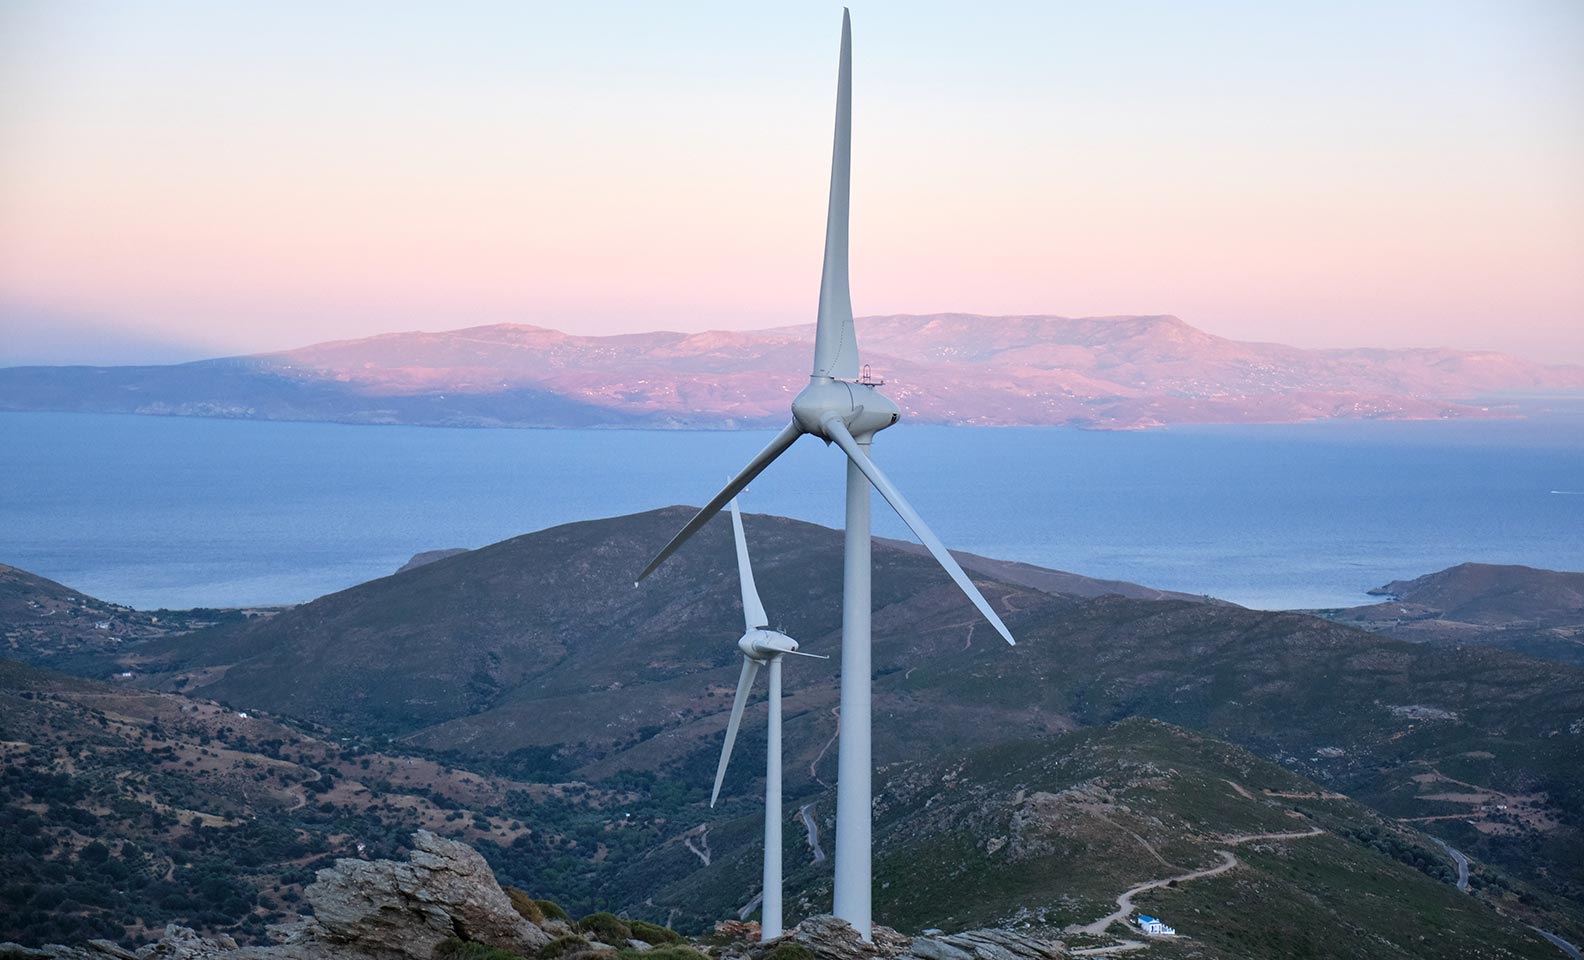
(839, 406)
(760, 645)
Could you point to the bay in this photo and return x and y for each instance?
(178, 512)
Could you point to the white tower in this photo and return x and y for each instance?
(840, 408)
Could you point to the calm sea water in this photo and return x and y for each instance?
(184, 512)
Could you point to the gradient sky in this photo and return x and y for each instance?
(185, 178)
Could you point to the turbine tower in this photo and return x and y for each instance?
(840, 407)
(760, 645)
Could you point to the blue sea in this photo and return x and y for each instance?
(172, 512)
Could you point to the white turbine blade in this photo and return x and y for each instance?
(756, 466)
(837, 431)
(753, 610)
(744, 683)
(835, 342)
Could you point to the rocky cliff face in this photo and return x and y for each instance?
(445, 893)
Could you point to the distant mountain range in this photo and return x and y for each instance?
(1097, 372)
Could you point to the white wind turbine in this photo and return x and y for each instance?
(840, 407)
(760, 645)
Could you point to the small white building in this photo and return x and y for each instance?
(1154, 927)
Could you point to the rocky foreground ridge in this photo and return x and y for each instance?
(443, 903)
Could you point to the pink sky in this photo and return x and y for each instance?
(229, 180)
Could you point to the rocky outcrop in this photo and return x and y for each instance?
(391, 910)
(363, 910)
(830, 938)
(179, 943)
(989, 944)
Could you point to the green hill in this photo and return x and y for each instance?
(123, 809)
(1523, 609)
(539, 656)
(1048, 834)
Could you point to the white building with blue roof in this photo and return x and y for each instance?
(1154, 927)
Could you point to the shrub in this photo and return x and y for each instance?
(790, 951)
(606, 927)
(563, 946)
(670, 951)
(553, 911)
(454, 949)
(526, 906)
(653, 933)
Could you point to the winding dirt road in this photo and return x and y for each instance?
(814, 764)
(1460, 860)
(702, 851)
(1124, 901)
(813, 832)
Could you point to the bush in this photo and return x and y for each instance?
(670, 951)
(553, 911)
(790, 951)
(563, 946)
(607, 928)
(454, 949)
(653, 933)
(526, 906)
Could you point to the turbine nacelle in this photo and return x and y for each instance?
(864, 410)
(763, 644)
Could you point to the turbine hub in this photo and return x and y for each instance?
(865, 410)
(765, 644)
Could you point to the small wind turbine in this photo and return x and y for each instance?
(760, 645)
(839, 406)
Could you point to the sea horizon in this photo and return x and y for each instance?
(181, 512)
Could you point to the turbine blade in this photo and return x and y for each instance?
(837, 431)
(753, 610)
(744, 684)
(811, 656)
(835, 342)
(756, 466)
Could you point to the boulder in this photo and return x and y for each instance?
(987, 944)
(402, 911)
(184, 943)
(831, 938)
(744, 931)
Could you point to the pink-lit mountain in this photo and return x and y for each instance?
(1099, 372)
